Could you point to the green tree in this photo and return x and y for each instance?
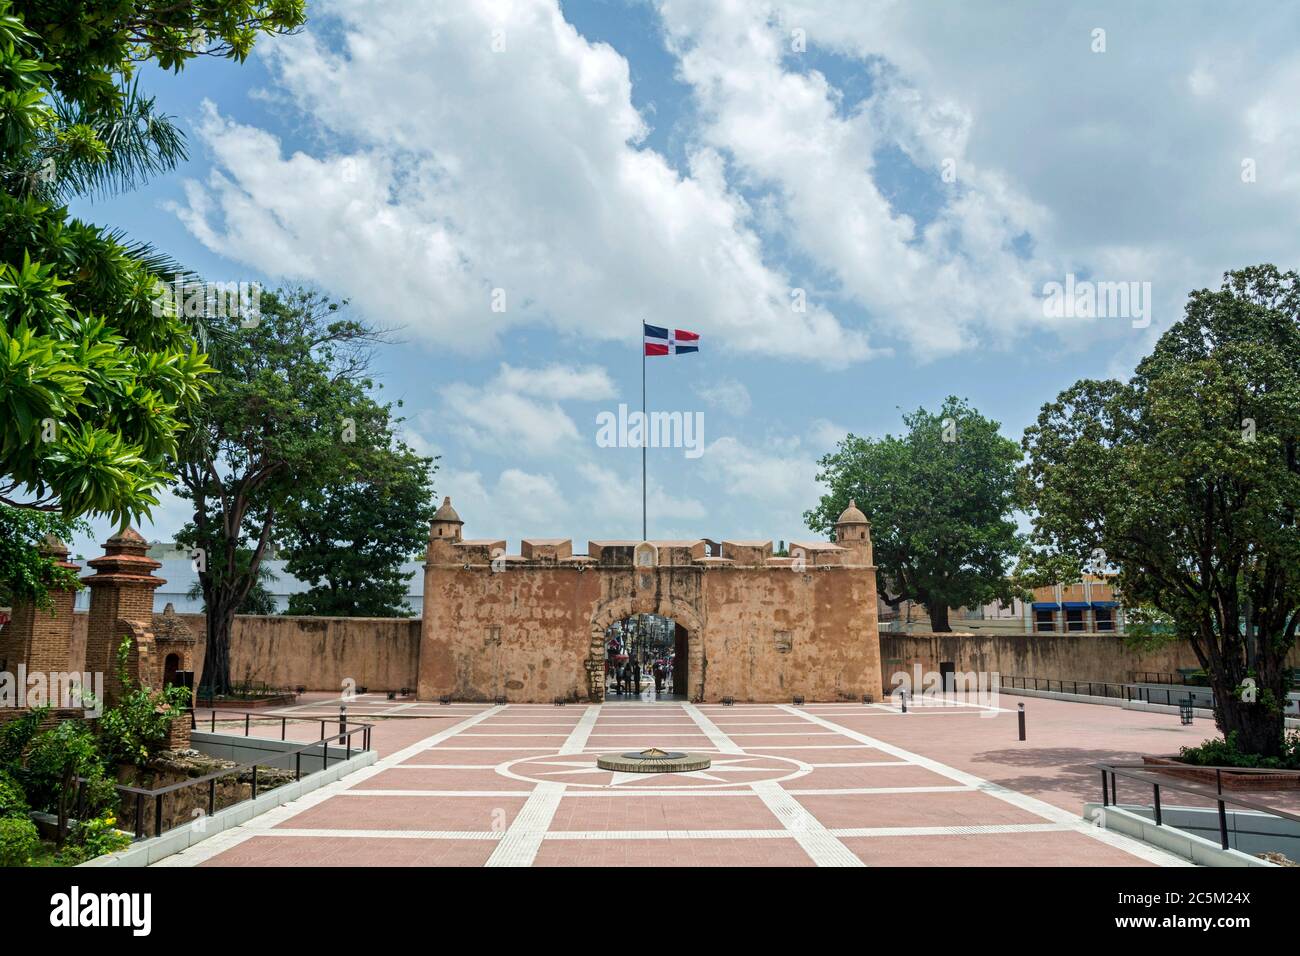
(26, 575)
(349, 539)
(259, 599)
(287, 406)
(95, 373)
(940, 500)
(1187, 477)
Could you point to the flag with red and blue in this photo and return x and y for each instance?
(661, 341)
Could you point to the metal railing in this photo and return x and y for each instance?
(1144, 773)
(249, 715)
(1090, 688)
(343, 737)
(1172, 695)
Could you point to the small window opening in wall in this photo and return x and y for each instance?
(783, 642)
(494, 636)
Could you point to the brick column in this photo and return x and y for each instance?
(40, 639)
(121, 595)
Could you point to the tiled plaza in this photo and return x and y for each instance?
(946, 784)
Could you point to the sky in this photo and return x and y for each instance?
(861, 207)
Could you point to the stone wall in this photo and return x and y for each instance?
(1095, 657)
(755, 634)
(312, 652)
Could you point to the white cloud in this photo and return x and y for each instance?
(726, 393)
(1124, 164)
(558, 382)
(518, 409)
(459, 171)
(943, 287)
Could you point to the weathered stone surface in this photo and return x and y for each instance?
(531, 627)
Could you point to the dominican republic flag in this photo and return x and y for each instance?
(669, 341)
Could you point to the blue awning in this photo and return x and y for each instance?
(1105, 604)
(1074, 604)
(1046, 606)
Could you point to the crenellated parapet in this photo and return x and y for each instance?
(754, 626)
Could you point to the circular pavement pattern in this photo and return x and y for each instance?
(725, 771)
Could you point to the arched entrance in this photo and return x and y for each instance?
(647, 657)
(171, 665)
(624, 635)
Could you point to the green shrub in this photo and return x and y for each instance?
(13, 802)
(1228, 753)
(19, 841)
(56, 757)
(17, 734)
(137, 725)
(94, 837)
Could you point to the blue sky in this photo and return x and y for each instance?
(692, 163)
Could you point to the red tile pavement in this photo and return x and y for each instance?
(841, 778)
(957, 808)
(420, 778)
(345, 812)
(988, 849)
(579, 816)
(485, 758)
(663, 813)
(675, 852)
(355, 851)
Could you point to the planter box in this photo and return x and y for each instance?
(252, 703)
(1231, 781)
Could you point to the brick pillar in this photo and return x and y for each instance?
(121, 591)
(40, 639)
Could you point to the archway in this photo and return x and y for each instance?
(647, 658)
(665, 629)
(171, 665)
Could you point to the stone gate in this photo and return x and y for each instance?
(531, 626)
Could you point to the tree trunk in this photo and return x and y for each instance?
(216, 656)
(1258, 726)
(938, 617)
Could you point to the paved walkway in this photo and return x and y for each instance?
(821, 785)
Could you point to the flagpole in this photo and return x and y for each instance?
(644, 436)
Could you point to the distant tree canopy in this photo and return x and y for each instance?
(290, 417)
(940, 499)
(1187, 478)
(349, 539)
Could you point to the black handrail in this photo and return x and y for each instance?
(1174, 694)
(248, 716)
(1140, 771)
(344, 736)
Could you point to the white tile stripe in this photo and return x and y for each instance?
(625, 791)
(848, 832)
(711, 730)
(521, 841)
(1033, 805)
(202, 852)
(822, 847)
(524, 836)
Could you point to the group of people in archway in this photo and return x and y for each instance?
(627, 677)
(639, 650)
